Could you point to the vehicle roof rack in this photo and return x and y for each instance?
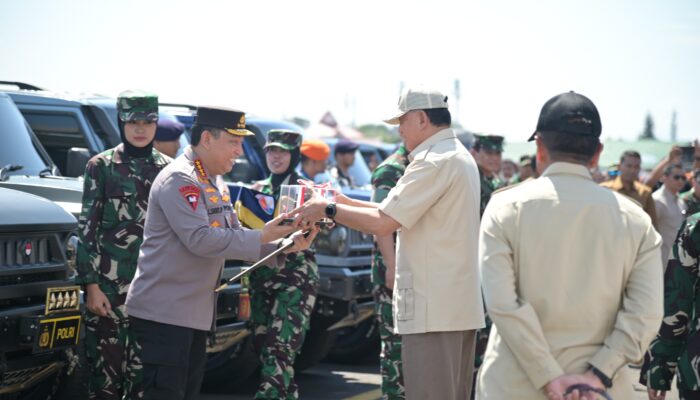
(21, 85)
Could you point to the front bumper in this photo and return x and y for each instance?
(35, 346)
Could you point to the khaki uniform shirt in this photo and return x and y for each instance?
(191, 229)
(641, 193)
(670, 211)
(572, 276)
(436, 202)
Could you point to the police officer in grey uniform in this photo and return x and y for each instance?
(190, 230)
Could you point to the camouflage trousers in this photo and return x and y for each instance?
(281, 306)
(390, 365)
(112, 355)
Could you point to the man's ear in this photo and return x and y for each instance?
(205, 140)
(424, 120)
(542, 155)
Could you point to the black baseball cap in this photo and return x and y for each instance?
(228, 119)
(570, 113)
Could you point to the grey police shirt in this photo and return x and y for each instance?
(190, 230)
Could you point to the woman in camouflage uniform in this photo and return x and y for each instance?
(282, 300)
(115, 197)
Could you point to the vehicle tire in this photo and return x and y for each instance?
(317, 343)
(231, 369)
(355, 344)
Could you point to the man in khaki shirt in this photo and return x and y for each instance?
(627, 183)
(435, 206)
(571, 271)
(670, 209)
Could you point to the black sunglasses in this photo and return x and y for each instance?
(678, 177)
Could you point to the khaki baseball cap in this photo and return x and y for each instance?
(418, 98)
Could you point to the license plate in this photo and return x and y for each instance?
(57, 332)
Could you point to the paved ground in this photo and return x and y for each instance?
(353, 382)
(325, 382)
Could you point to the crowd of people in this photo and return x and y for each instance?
(492, 279)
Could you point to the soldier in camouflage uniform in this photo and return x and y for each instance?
(487, 153)
(282, 299)
(691, 198)
(676, 348)
(115, 198)
(384, 178)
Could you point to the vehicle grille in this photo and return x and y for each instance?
(28, 264)
(361, 244)
(20, 252)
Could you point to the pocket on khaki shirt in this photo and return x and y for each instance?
(404, 296)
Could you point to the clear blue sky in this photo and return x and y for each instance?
(301, 58)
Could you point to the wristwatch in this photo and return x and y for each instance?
(331, 209)
(607, 382)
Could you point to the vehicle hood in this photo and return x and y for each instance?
(66, 192)
(23, 212)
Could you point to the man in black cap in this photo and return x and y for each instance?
(190, 229)
(168, 136)
(344, 154)
(571, 271)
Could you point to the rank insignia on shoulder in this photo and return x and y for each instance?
(210, 190)
(191, 195)
(225, 198)
(214, 199)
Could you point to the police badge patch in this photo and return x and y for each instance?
(191, 195)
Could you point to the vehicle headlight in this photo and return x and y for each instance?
(72, 251)
(338, 240)
(332, 242)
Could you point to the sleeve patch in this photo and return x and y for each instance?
(191, 195)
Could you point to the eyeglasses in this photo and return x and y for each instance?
(678, 177)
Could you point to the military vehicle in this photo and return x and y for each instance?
(40, 309)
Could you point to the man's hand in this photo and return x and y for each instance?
(674, 155)
(302, 242)
(556, 388)
(312, 211)
(656, 394)
(273, 230)
(97, 302)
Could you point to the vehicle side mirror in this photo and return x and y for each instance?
(77, 159)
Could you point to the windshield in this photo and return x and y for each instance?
(17, 147)
(359, 172)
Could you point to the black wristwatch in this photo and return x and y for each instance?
(604, 379)
(331, 209)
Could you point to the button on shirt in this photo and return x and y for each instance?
(669, 215)
(436, 202)
(572, 276)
